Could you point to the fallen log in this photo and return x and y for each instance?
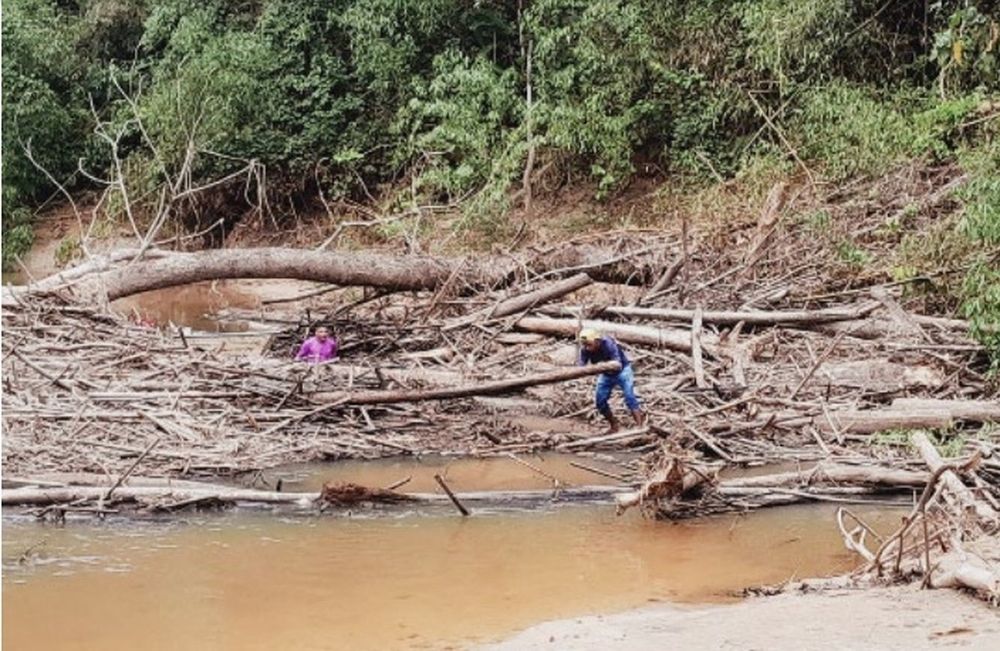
(674, 338)
(986, 516)
(96, 264)
(896, 312)
(949, 515)
(539, 296)
(750, 317)
(882, 328)
(66, 495)
(832, 474)
(899, 415)
(618, 438)
(158, 269)
(903, 417)
(63, 479)
(389, 272)
(401, 376)
(960, 569)
(878, 375)
(348, 399)
(976, 410)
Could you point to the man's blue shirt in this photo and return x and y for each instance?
(609, 350)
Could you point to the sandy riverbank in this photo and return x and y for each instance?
(903, 618)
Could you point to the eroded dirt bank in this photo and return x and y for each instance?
(886, 619)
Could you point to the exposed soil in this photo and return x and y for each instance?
(886, 619)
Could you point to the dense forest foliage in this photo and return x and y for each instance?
(458, 102)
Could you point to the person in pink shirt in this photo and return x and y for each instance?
(319, 348)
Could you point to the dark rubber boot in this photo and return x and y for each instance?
(612, 422)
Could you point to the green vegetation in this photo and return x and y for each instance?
(446, 101)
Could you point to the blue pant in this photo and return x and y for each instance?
(605, 383)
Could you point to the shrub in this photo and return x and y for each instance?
(850, 131)
(17, 235)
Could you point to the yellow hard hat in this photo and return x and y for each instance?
(589, 334)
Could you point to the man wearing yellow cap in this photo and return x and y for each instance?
(596, 348)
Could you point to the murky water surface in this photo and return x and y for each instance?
(193, 306)
(254, 580)
(528, 472)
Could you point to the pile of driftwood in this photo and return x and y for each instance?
(87, 391)
(950, 537)
(762, 370)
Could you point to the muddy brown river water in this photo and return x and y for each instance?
(385, 580)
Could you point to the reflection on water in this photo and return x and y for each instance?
(252, 581)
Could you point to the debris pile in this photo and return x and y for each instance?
(813, 373)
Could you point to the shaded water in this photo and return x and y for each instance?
(253, 580)
(193, 306)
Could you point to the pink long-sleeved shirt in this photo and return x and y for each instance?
(315, 351)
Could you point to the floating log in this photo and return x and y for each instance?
(65, 495)
(348, 494)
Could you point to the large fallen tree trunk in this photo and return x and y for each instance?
(96, 264)
(373, 269)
